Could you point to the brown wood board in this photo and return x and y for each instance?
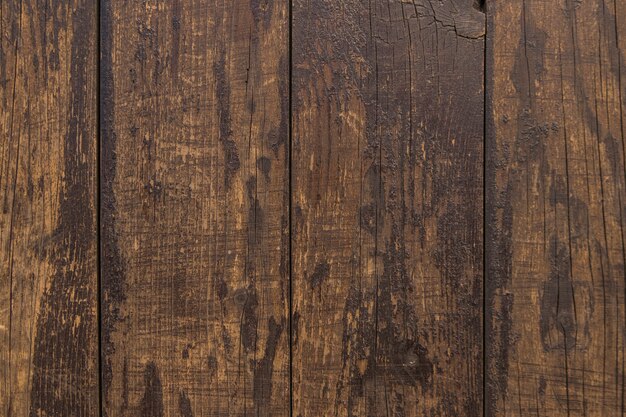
(387, 199)
(48, 209)
(195, 232)
(555, 187)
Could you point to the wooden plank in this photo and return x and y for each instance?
(48, 227)
(195, 208)
(387, 207)
(556, 192)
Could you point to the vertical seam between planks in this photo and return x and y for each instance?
(98, 204)
(485, 144)
(289, 165)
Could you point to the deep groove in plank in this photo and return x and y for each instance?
(484, 8)
(98, 202)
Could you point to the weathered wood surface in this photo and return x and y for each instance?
(555, 187)
(387, 207)
(332, 270)
(48, 195)
(195, 208)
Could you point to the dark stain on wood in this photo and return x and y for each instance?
(212, 366)
(264, 164)
(262, 11)
(319, 275)
(231, 156)
(152, 401)
(66, 311)
(184, 405)
(264, 368)
(249, 319)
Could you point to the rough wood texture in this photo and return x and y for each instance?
(387, 207)
(555, 236)
(195, 208)
(367, 298)
(48, 191)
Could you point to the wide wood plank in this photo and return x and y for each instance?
(48, 195)
(387, 207)
(195, 208)
(555, 214)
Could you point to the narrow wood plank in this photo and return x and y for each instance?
(387, 207)
(48, 227)
(556, 192)
(195, 208)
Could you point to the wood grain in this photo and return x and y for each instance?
(556, 192)
(195, 208)
(48, 194)
(387, 207)
(334, 269)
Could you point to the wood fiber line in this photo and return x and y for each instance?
(195, 221)
(555, 218)
(387, 207)
(48, 227)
